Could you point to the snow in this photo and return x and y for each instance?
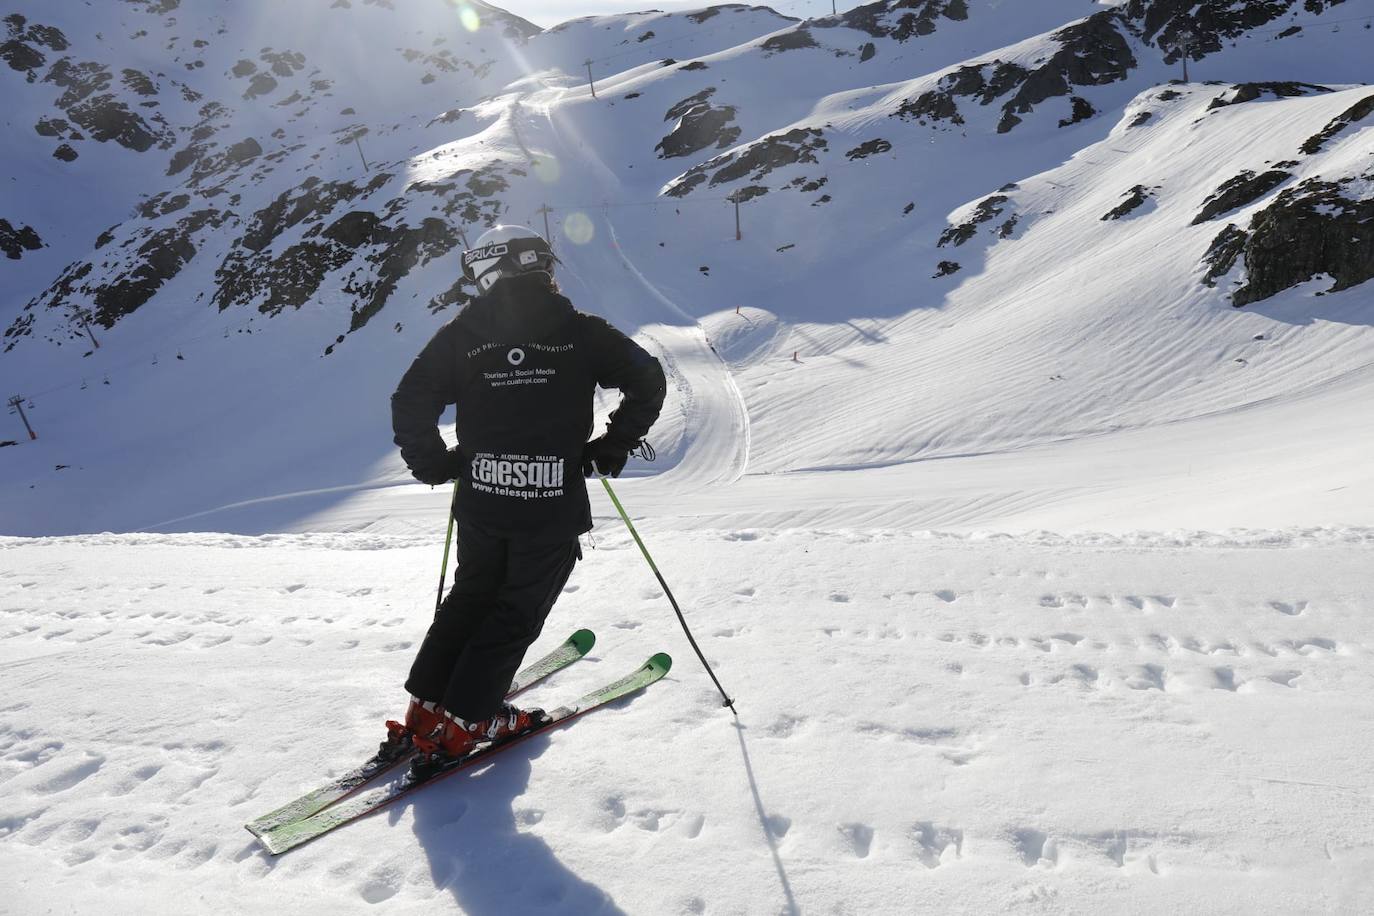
(961, 723)
(1042, 587)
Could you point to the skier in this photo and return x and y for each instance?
(522, 365)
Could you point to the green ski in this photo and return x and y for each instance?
(391, 755)
(295, 833)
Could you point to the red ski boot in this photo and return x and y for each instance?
(458, 737)
(422, 719)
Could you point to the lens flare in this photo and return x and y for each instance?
(578, 228)
(469, 18)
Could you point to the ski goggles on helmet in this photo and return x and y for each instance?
(489, 263)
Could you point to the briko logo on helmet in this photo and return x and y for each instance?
(482, 254)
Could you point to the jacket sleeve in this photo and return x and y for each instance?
(619, 362)
(419, 400)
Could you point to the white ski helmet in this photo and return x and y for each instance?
(506, 251)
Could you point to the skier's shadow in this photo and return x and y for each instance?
(467, 826)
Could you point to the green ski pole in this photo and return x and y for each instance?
(448, 539)
(667, 591)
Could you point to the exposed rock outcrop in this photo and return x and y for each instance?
(699, 125)
(987, 209)
(1210, 23)
(1091, 52)
(870, 148)
(1309, 230)
(1241, 93)
(15, 241)
(1222, 254)
(1243, 189)
(1355, 113)
(1135, 198)
(898, 19)
(755, 160)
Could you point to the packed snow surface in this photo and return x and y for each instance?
(928, 723)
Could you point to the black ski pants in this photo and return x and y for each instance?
(503, 589)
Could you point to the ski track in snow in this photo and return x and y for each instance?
(716, 428)
(1066, 713)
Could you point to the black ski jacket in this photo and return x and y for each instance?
(522, 365)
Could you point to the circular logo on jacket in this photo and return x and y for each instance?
(515, 357)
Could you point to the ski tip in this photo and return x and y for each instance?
(264, 838)
(582, 641)
(662, 662)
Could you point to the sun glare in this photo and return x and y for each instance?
(578, 228)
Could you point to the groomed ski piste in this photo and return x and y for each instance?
(1041, 587)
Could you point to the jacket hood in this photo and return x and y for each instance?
(516, 310)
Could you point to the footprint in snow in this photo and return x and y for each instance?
(1286, 678)
(1087, 674)
(1306, 646)
(859, 837)
(136, 838)
(382, 884)
(784, 726)
(139, 776)
(652, 819)
(70, 775)
(1035, 848)
(1147, 677)
(934, 843)
(777, 825)
(78, 857)
(1226, 678)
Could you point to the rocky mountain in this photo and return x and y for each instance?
(188, 172)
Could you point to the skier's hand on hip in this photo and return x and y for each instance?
(604, 458)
